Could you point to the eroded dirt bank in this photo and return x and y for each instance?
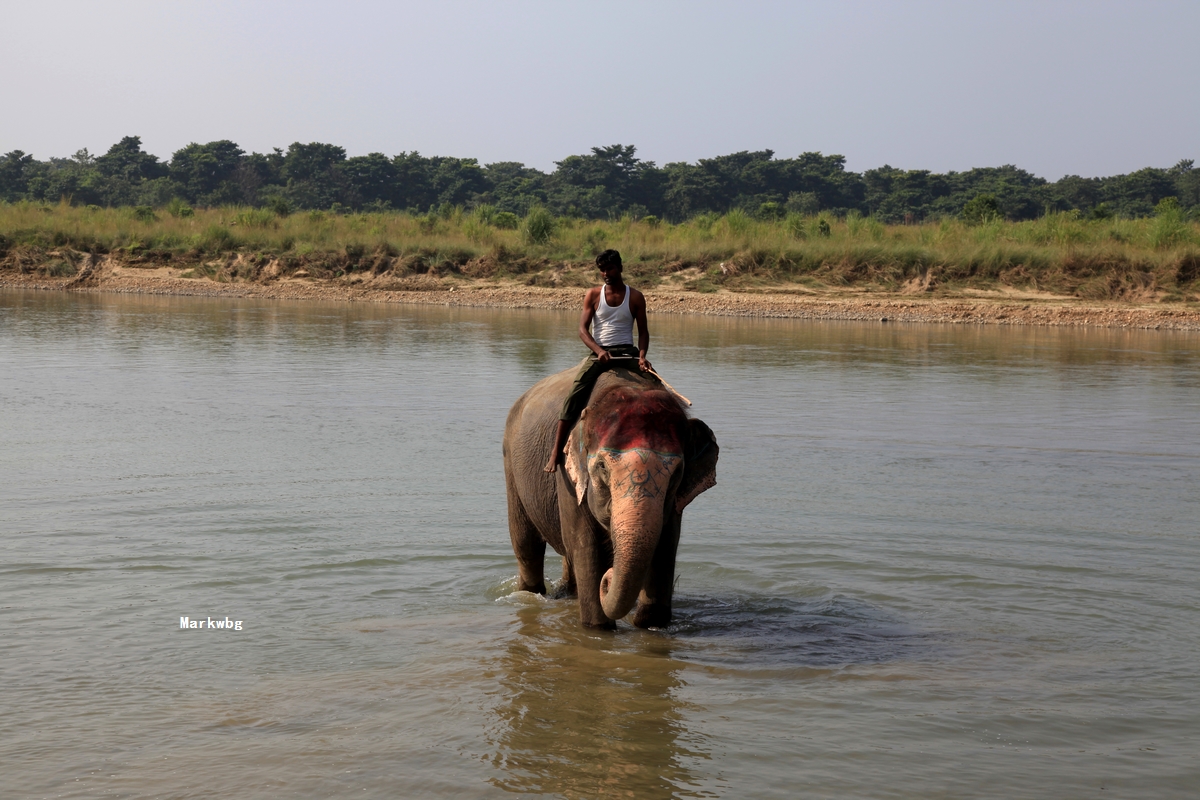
(108, 274)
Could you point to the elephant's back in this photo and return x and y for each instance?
(529, 429)
(542, 400)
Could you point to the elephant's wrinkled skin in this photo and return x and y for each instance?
(632, 463)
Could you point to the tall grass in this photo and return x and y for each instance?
(1058, 251)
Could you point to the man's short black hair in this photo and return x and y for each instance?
(609, 258)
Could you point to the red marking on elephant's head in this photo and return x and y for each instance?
(628, 418)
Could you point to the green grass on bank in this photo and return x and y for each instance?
(1094, 259)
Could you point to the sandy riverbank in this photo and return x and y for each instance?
(1005, 308)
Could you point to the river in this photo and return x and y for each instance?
(940, 561)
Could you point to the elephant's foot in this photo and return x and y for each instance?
(566, 587)
(606, 625)
(592, 616)
(536, 588)
(651, 616)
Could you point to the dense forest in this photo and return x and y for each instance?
(608, 183)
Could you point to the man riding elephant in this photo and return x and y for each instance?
(606, 327)
(633, 461)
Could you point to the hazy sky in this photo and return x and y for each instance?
(1092, 88)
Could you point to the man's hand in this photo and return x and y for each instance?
(643, 364)
(603, 357)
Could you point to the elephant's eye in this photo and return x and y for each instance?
(600, 471)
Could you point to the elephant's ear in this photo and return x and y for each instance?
(699, 464)
(576, 464)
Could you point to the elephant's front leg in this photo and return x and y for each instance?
(590, 553)
(654, 601)
(591, 559)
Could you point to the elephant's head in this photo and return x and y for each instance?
(637, 461)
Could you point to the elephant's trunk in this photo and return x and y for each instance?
(639, 480)
(634, 542)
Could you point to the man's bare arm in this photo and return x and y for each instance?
(637, 303)
(590, 301)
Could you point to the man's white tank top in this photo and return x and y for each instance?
(613, 326)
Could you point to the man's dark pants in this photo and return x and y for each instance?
(589, 371)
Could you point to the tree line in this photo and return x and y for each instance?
(608, 182)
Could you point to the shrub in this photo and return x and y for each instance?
(217, 238)
(477, 231)
(485, 214)
(145, 213)
(875, 229)
(179, 208)
(506, 221)
(981, 209)
(1101, 211)
(704, 222)
(61, 269)
(803, 203)
(1169, 228)
(737, 221)
(1188, 269)
(823, 227)
(771, 211)
(796, 226)
(538, 227)
(255, 218)
(854, 223)
(1167, 207)
(596, 240)
(279, 206)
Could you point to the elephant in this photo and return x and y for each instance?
(632, 463)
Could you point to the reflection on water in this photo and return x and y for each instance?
(940, 561)
(779, 632)
(588, 715)
(583, 714)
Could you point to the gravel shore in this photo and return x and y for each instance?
(801, 303)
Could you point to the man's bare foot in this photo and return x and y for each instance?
(560, 439)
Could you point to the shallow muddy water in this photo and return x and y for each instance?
(940, 561)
